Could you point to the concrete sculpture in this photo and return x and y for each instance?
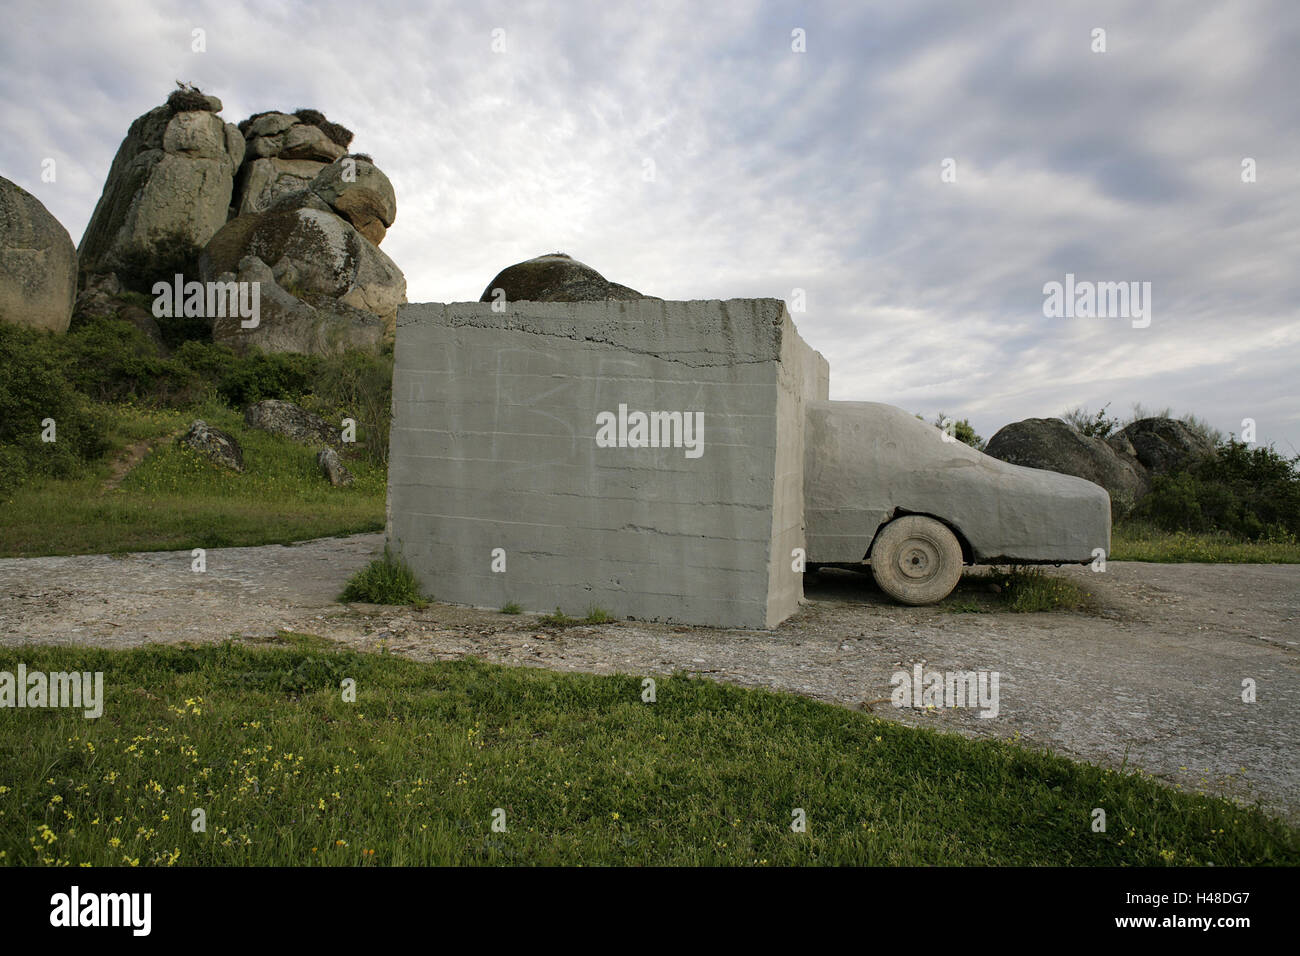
(679, 461)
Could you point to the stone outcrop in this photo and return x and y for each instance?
(167, 193)
(290, 421)
(1052, 445)
(284, 152)
(38, 263)
(324, 286)
(277, 200)
(555, 278)
(215, 445)
(357, 190)
(1165, 445)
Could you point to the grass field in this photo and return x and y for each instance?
(577, 768)
(176, 500)
(1136, 541)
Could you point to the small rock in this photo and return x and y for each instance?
(333, 468)
(214, 444)
(290, 421)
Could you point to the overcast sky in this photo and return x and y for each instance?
(776, 170)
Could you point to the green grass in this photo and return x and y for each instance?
(1140, 541)
(594, 615)
(1018, 589)
(176, 500)
(386, 580)
(289, 773)
(512, 607)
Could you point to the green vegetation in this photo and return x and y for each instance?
(961, 430)
(289, 773)
(111, 391)
(594, 615)
(1248, 492)
(386, 580)
(512, 608)
(558, 619)
(1021, 589)
(1142, 541)
(174, 499)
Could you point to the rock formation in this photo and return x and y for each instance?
(555, 278)
(1165, 445)
(324, 287)
(167, 193)
(277, 200)
(1123, 463)
(38, 263)
(1051, 444)
(283, 154)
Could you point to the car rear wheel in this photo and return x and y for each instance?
(916, 560)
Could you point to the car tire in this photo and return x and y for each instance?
(916, 560)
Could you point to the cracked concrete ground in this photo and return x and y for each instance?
(1151, 679)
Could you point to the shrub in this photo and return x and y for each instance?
(358, 385)
(172, 254)
(512, 608)
(1098, 425)
(339, 135)
(261, 375)
(386, 580)
(962, 430)
(110, 360)
(1250, 492)
(33, 388)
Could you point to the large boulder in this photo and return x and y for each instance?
(555, 278)
(264, 182)
(356, 189)
(1165, 445)
(38, 263)
(167, 193)
(324, 286)
(290, 421)
(314, 324)
(1052, 445)
(284, 153)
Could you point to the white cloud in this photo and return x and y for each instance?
(777, 170)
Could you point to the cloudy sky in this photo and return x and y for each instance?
(689, 150)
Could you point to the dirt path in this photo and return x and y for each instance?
(132, 455)
(1153, 678)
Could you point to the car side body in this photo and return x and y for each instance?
(868, 463)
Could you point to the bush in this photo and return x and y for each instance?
(172, 254)
(1250, 492)
(358, 385)
(386, 580)
(110, 360)
(261, 375)
(1086, 423)
(34, 388)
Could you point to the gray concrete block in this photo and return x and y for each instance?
(496, 444)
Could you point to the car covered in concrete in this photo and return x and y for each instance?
(882, 486)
